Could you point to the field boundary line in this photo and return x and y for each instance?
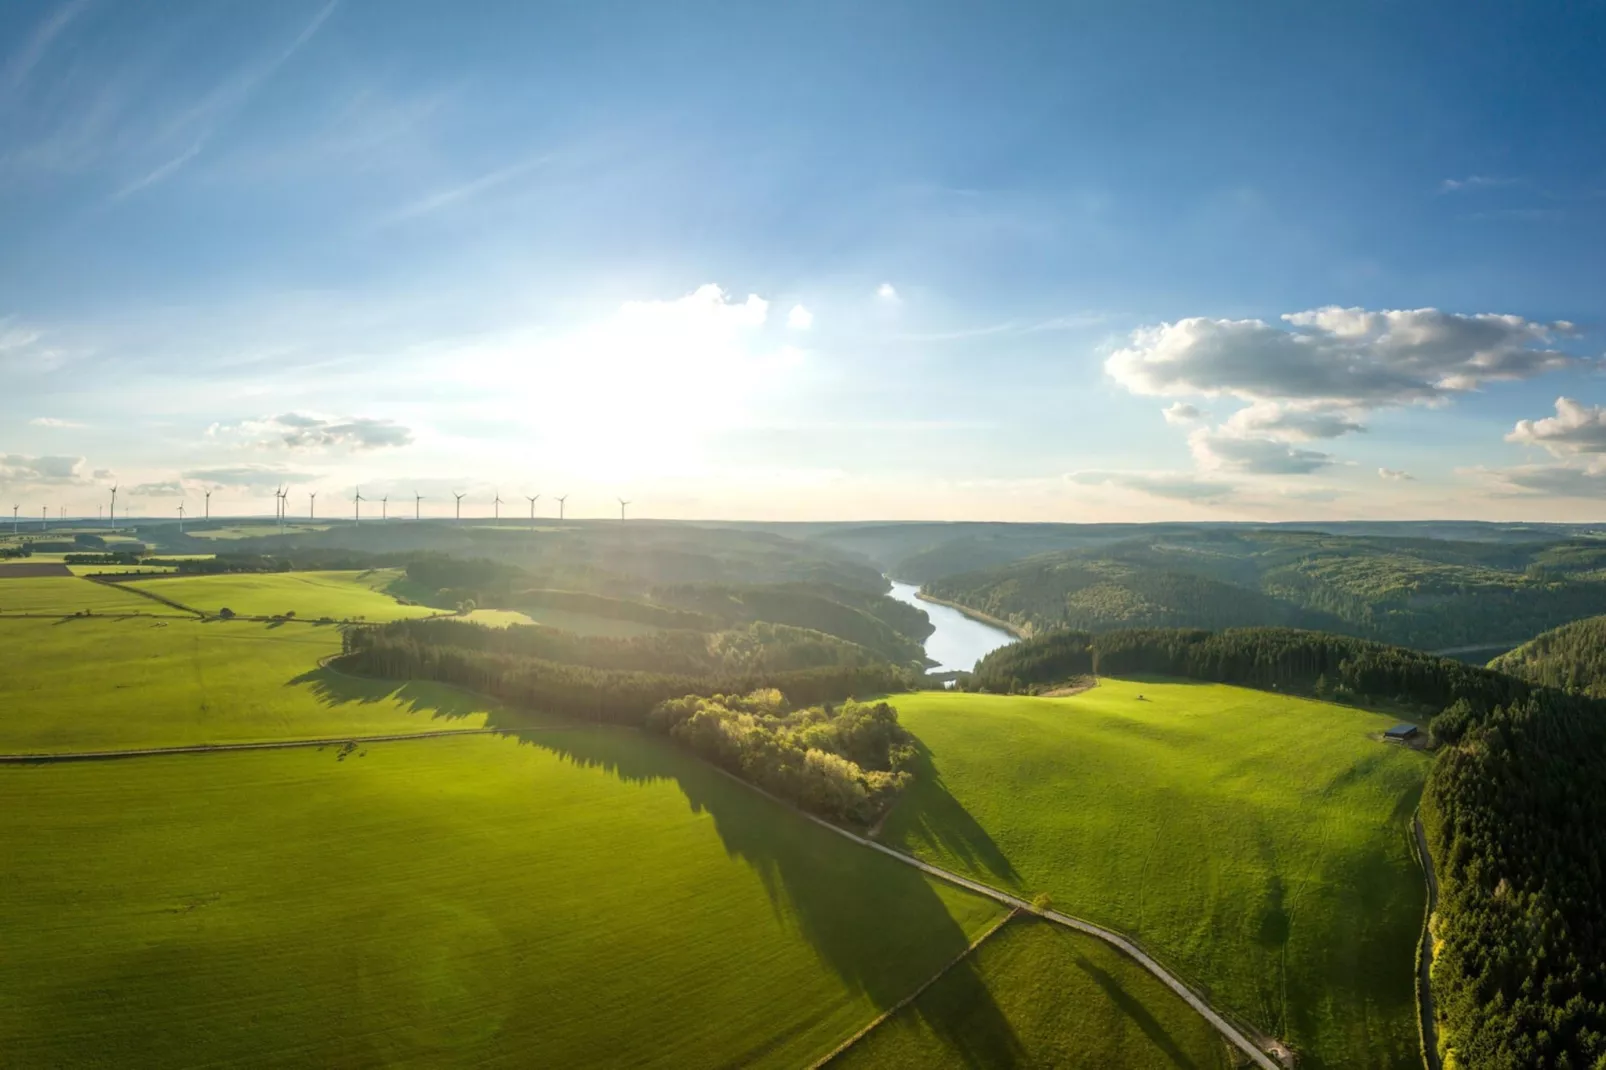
(1426, 1022)
(46, 757)
(1114, 939)
(916, 994)
(104, 582)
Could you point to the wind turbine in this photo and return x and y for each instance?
(384, 509)
(181, 518)
(532, 509)
(560, 505)
(497, 503)
(312, 505)
(356, 506)
(208, 515)
(417, 497)
(14, 509)
(622, 504)
(113, 518)
(459, 498)
(44, 519)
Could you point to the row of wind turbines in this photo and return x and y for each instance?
(282, 505)
(102, 513)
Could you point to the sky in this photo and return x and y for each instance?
(868, 260)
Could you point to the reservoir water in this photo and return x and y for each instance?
(959, 642)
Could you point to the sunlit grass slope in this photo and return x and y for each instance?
(1059, 999)
(95, 683)
(588, 898)
(338, 595)
(1256, 843)
(63, 595)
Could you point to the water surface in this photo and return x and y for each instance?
(959, 642)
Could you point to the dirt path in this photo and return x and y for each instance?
(1426, 1015)
(911, 997)
(272, 744)
(1116, 940)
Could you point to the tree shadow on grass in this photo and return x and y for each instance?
(437, 701)
(1133, 1008)
(928, 813)
(876, 923)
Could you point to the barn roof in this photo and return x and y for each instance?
(1401, 731)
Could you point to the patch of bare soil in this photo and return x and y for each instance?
(1073, 687)
(30, 569)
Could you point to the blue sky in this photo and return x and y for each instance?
(1034, 262)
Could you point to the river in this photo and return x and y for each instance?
(959, 642)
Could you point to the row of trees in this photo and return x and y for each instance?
(473, 656)
(845, 763)
(805, 606)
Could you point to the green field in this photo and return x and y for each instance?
(587, 623)
(175, 681)
(347, 595)
(1255, 843)
(255, 531)
(498, 618)
(589, 897)
(1060, 999)
(64, 595)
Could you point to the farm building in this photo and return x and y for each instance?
(1401, 732)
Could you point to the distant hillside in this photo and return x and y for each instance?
(1572, 657)
(1418, 592)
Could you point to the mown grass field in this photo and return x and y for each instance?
(587, 623)
(1255, 843)
(309, 595)
(65, 595)
(96, 683)
(1060, 999)
(585, 898)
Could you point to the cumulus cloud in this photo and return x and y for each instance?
(300, 431)
(1396, 474)
(1219, 450)
(800, 318)
(1472, 182)
(888, 293)
(1181, 413)
(1179, 486)
(246, 476)
(1341, 357)
(1291, 421)
(1576, 428)
(20, 468)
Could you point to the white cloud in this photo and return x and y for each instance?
(1576, 428)
(1472, 182)
(1217, 450)
(1560, 480)
(167, 488)
(21, 468)
(800, 318)
(888, 293)
(299, 431)
(51, 421)
(1395, 474)
(1181, 413)
(1178, 486)
(1338, 356)
(247, 476)
(1291, 421)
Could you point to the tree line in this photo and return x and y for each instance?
(845, 763)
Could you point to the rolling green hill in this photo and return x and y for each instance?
(1253, 842)
(1418, 592)
(1572, 657)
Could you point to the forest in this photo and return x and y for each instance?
(1428, 593)
(1572, 657)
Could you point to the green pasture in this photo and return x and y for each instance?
(1059, 999)
(498, 618)
(254, 531)
(581, 898)
(1255, 843)
(587, 623)
(64, 595)
(347, 595)
(102, 683)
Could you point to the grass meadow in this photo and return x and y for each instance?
(338, 595)
(65, 595)
(585, 897)
(1060, 999)
(1255, 843)
(99, 683)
